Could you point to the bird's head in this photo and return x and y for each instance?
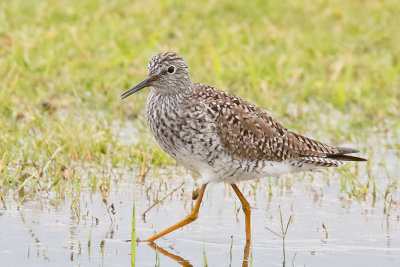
(168, 74)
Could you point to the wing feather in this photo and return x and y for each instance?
(250, 132)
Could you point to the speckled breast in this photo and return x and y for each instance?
(183, 134)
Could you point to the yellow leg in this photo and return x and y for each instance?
(247, 214)
(188, 219)
(246, 255)
(246, 210)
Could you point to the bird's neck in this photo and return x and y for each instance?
(173, 91)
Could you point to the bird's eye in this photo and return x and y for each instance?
(171, 69)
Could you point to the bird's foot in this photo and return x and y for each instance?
(140, 240)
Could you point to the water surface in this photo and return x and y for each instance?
(94, 232)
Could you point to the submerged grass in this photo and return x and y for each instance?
(282, 235)
(329, 69)
(133, 234)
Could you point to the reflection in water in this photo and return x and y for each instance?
(52, 231)
(48, 230)
(73, 229)
(186, 263)
(170, 255)
(40, 251)
(359, 232)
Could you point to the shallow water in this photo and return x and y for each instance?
(357, 233)
(48, 232)
(57, 232)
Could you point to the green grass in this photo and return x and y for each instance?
(326, 68)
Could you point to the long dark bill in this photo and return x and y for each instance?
(145, 83)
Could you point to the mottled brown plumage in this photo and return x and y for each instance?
(222, 137)
(250, 132)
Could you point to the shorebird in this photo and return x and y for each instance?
(222, 137)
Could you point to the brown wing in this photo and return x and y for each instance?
(248, 131)
(248, 136)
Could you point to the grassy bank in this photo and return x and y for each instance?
(329, 69)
